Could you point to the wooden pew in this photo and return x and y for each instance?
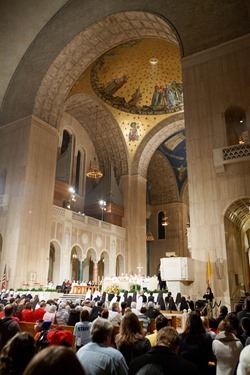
(29, 327)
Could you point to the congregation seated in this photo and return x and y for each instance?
(54, 360)
(152, 312)
(163, 357)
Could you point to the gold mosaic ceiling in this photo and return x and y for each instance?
(139, 94)
(128, 76)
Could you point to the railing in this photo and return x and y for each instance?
(229, 155)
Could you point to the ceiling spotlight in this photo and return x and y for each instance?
(153, 61)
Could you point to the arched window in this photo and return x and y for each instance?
(236, 125)
(78, 172)
(64, 161)
(161, 228)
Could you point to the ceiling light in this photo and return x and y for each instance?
(153, 61)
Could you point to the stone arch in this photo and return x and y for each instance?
(84, 108)
(89, 264)
(55, 272)
(103, 265)
(120, 264)
(236, 226)
(236, 125)
(80, 52)
(152, 140)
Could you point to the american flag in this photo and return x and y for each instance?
(3, 286)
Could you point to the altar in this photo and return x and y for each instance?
(127, 282)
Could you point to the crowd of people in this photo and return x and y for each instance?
(113, 337)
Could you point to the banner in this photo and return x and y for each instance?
(4, 278)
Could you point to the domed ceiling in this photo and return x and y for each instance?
(140, 83)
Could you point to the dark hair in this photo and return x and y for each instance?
(194, 331)
(8, 310)
(245, 324)
(84, 315)
(224, 310)
(105, 314)
(54, 360)
(17, 353)
(160, 322)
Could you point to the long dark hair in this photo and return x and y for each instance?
(194, 331)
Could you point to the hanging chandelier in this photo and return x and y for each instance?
(164, 221)
(94, 171)
(149, 236)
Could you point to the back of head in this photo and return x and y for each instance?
(169, 337)
(8, 310)
(223, 310)
(54, 360)
(160, 322)
(52, 309)
(244, 362)
(151, 304)
(151, 368)
(84, 316)
(133, 305)
(130, 325)
(17, 353)
(245, 324)
(100, 330)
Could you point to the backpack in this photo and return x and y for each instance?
(60, 336)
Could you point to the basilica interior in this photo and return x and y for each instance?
(125, 139)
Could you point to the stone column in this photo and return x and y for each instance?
(28, 149)
(134, 194)
(95, 272)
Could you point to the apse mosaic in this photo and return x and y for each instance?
(140, 77)
(174, 148)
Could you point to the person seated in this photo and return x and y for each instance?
(114, 314)
(160, 322)
(164, 355)
(54, 360)
(17, 353)
(130, 340)
(152, 312)
(98, 357)
(27, 313)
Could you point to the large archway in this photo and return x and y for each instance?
(237, 237)
(54, 263)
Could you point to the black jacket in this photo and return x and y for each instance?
(8, 328)
(168, 361)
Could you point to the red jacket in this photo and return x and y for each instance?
(38, 314)
(27, 315)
